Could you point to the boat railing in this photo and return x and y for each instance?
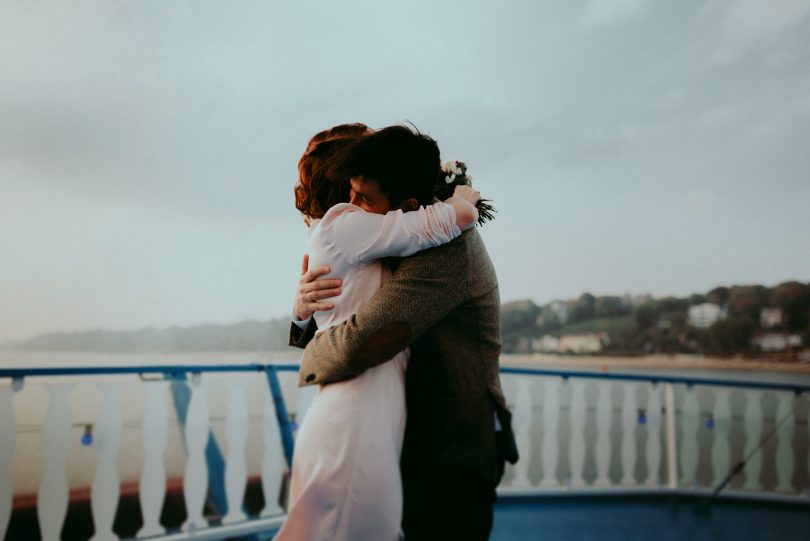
(210, 431)
(204, 429)
(589, 432)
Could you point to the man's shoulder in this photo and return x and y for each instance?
(465, 256)
(468, 244)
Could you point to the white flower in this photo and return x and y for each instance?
(454, 169)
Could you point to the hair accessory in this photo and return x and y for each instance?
(454, 170)
(455, 174)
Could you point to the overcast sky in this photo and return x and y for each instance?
(148, 149)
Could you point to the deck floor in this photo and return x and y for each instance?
(543, 518)
(657, 518)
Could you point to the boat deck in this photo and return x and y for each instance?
(653, 517)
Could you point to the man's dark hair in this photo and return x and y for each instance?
(404, 162)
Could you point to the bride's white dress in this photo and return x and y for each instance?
(345, 482)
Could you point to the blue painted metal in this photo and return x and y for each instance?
(166, 370)
(284, 424)
(655, 378)
(181, 396)
(172, 370)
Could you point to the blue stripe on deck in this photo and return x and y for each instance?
(654, 517)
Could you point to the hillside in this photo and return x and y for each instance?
(611, 325)
(738, 319)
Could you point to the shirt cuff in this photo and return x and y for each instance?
(302, 324)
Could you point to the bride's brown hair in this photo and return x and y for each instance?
(318, 188)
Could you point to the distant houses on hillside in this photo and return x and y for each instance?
(768, 338)
(774, 342)
(704, 315)
(583, 343)
(770, 318)
(749, 320)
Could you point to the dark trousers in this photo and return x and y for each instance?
(446, 505)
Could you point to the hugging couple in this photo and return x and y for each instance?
(398, 312)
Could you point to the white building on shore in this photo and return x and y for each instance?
(703, 316)
(770, 318)
(774, 341)
(571, 343)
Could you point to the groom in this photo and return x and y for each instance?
(444, 303)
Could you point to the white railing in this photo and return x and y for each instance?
(104, 427)
(580, 431)
(64, 430)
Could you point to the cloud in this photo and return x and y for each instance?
(754, 18)
(146, 147)
(599, 13)
(698, 202)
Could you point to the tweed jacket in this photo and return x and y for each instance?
(444, 303)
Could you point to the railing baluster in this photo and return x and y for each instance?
(653, 422)
(671, 436)
(153, 477)
(551, 421)
(8, 442)
(629, 425)
(52, 497)
(106, 487)
(523, 425)
(690, 427)
(236, 467)
(576, 448)
(784, 449)
(193, 413)
(753, 432)
(272, 461)
(721, 449)
(604, 416)
(195, 482)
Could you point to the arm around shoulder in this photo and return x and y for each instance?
(423, 290)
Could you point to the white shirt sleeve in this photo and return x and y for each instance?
(303, 323)
(364, 236)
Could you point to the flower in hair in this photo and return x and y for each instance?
(454, 170)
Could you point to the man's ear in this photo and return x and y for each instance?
(408, 205)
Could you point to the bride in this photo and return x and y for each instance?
(345, 482)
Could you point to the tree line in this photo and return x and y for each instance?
(638, 325)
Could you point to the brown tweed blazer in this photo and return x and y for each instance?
(444, 302)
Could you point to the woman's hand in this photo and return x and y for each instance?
(467, 193)
(312, 290)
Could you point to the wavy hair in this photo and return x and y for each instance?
(320, 186)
